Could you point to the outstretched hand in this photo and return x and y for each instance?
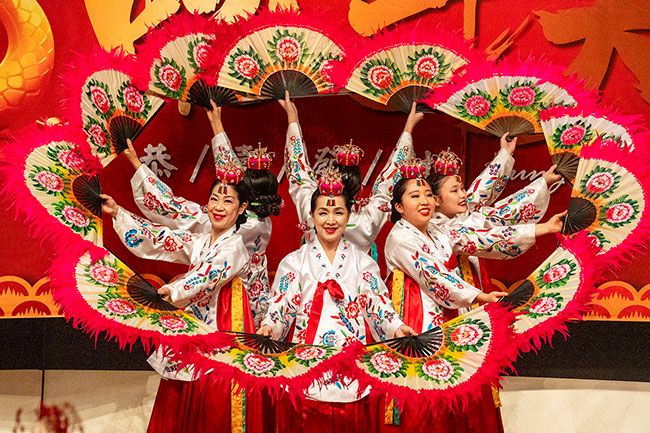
(509, 146)
(485, 298)
(289, 108)
(404, 331)
(165, 294)
(214, 116)
(413, 119)
(553, 225)
(131, 154)
(265, 331)
(551, 176)
(109, 207)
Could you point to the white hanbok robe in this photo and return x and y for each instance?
(366, 222)
(528, 205)
(424, 259)
(159, 204)
(342, 321)
(212, 266)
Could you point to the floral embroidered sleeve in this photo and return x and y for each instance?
(158, 203)
(376, 303)
(214, 270)
(435, 280)
(285, 299)
(366, 223)
(491, 182)
(302, 181)
(494, 243)
(152, 241)
(222, 149)
(529, 204)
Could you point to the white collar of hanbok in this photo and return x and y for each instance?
(411, 228)
(223, 237)
(318, 253)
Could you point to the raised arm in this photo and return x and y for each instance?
(302, 181)
(529, 204)
(487, 187)
(157, 201)
(221, 148)
(146, 239)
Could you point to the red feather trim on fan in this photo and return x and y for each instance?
(256, 371)
(453, 391)
(15, 189)
(426, 60)
(533, 337)
(105, 103)
(109, 274)
(508, 97)
(245, 58)
(637, 240)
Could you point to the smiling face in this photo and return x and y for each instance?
(224, 207)
(330, 218)
(416, 204)
(452, 198)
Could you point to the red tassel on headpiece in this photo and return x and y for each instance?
(348, 155)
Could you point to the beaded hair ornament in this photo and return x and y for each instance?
(413, 168)
(330, 184)
(348, 155)
(259, 159)
(229, 173)
(447, 163)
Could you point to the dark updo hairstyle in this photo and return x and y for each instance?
(351, 178)
(243, 195)
(263, 188)
(317, 193)
(398, 192)
(435, 182)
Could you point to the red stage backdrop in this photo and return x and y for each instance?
(604, 42)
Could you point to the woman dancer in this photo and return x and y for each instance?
(158, 203)
(214, 290)
(365, 223)
(330, 290)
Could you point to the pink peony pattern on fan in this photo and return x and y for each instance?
(55, 185)
(400, 67)
(106, 104)
(507, 98)
(275, 52)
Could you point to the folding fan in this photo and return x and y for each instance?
(557, 291)
(505, 98)
(55, 186)
(257, 361)
(276, 51)
(568, 130)
(172, 57)
(105, 295)
(609, 200)
(108, 106)
(400, 67)
(443, 366)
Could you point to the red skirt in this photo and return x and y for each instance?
(204, 406)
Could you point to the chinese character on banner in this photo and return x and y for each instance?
(325, 157)
(605, 27)
(157, 158)
(242, 152)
